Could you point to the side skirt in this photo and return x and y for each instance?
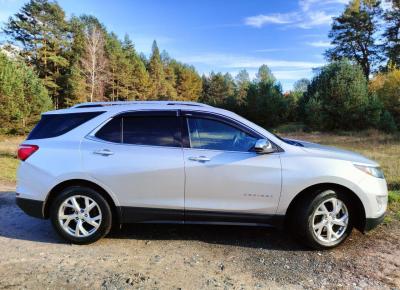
(160, 215)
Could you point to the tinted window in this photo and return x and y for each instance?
(111, 131)
(211, 134)
(151, 130)
(53, 125)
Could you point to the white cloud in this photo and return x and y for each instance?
(278, 18)
(315, 19)
(319, 43)
(305, 5)
(305, 21)
(311, 13)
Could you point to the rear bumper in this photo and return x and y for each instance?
(371, 223)
(31, 207)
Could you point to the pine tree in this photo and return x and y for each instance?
(128, 77)
(341, 85)
(42, 30)
(115, 56)
(392, 34)
(353, 34)
(242, 87)
(188, 84)
(160, 89)
(170, 77)
(264, 74)
(76, 89)
(219, 88)
(22, 96)
(139, 82)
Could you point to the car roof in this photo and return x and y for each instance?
(135, 105)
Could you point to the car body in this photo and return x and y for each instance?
(188, 162)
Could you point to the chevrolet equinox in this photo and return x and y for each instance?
(97, 164)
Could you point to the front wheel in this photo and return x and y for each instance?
(324, 219)
(81, 215)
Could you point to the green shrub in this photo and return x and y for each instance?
(387, 88)
(387, 123)
(22, 96)
(338, 99)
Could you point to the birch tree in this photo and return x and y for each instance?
(94, 62)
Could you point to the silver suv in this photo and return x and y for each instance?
(95, 164)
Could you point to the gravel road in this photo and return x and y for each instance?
(189, 257)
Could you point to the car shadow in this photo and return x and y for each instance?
(242, 236)
(15, 224)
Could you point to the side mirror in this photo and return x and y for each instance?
(263, 146)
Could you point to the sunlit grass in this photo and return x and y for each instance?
(394, 203)
(8, 158)
(8, 168)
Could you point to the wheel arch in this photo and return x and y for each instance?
(358, 207)
(80, 182)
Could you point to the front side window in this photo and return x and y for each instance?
(151, 130)
(215, 135)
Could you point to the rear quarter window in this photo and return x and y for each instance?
(53, 125)
(112, 131)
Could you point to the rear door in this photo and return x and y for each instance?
(226, 181)
(139, 157)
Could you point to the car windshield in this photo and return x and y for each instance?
(288, 141)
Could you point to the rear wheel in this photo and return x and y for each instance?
(81, 215)
(324, 219)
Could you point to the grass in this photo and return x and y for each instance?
(8, 158)
(394, 204)
(383, 148)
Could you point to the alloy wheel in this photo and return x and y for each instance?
(330, 220)
(79, 216)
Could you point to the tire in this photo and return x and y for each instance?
(84, 226)
(318, 227)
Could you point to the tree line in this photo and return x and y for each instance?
(61, 62)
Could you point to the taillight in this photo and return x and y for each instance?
(24, 151)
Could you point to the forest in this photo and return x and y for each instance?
(49, 61)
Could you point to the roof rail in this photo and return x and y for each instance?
(118, 103)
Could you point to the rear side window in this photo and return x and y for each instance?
(152, 130)
(53, 125)
(112, 131)
(143, 130)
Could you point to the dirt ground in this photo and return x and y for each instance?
(32, 256)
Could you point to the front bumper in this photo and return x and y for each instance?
(371, 223)
(31, 207)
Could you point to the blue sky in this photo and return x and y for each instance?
(289, 36)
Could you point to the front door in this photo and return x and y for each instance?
(226, 181)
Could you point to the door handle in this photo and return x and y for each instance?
(104, 152)
(199, 158)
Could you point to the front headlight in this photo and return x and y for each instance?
(371, 170)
